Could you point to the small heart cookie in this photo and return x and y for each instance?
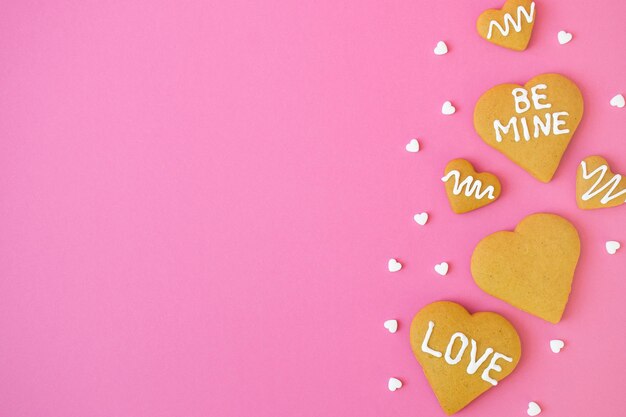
(597, 186)
(531, 268)
(468, 190)
(531, 124)
(511, 26)
(463, 355)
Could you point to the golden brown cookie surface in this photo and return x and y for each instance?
(468, 190)
(532, 124)
(511, 26)
(531, 268)
(597, 186)
(463, 355)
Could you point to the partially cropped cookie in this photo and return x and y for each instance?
(462, 354)
(531, 124)
(468, 190)
(531, 268)
(511, 26)
(597, 186)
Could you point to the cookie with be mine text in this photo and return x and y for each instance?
(468, 190)
(511, 26)
(532, 124)
(531, 268)
(463, 355)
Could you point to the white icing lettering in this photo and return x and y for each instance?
(497, 125)
(525, 129)
(459, 355)
(545, 128)
(556, 123)
(509, 21)
(425, 348)
(536, 97)
(474, 364)
(553, 124)
(495, 367)
(553, 121)
(471, 186)
(520, 95)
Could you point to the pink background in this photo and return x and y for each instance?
(198, 201)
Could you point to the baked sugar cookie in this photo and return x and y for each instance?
(531, 268)
(468, 190)
(531, 124)
(597, 186)
(463, 355)
(511, 26)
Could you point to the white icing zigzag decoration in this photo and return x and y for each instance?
(470, 185)
(592, 191)
(509, 21)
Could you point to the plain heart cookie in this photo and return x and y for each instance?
(463, 355)
(511, 26)
(531, 124)
(531, 268)
(597, 186)
(468, 190)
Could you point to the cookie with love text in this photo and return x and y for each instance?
(468, 190)
(511, 26)
(531, 268)
(532, 124)
(462, 354)
(597, 186)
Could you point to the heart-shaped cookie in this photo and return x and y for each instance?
(468, 190)
(511, 26)
(531, 268)
(463, 355)
(597, 186)
(531, 124)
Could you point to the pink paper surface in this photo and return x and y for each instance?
(198, 201)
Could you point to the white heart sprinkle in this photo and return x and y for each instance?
(394, 384)
(441, 48)
(556, 345)
(442, 268)
(448, 108)
(564, 37)
(612, 246)
(391, 325)
(421, 218)
(618, 101)
(533, 409)
(393, 265)
(413, 146)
